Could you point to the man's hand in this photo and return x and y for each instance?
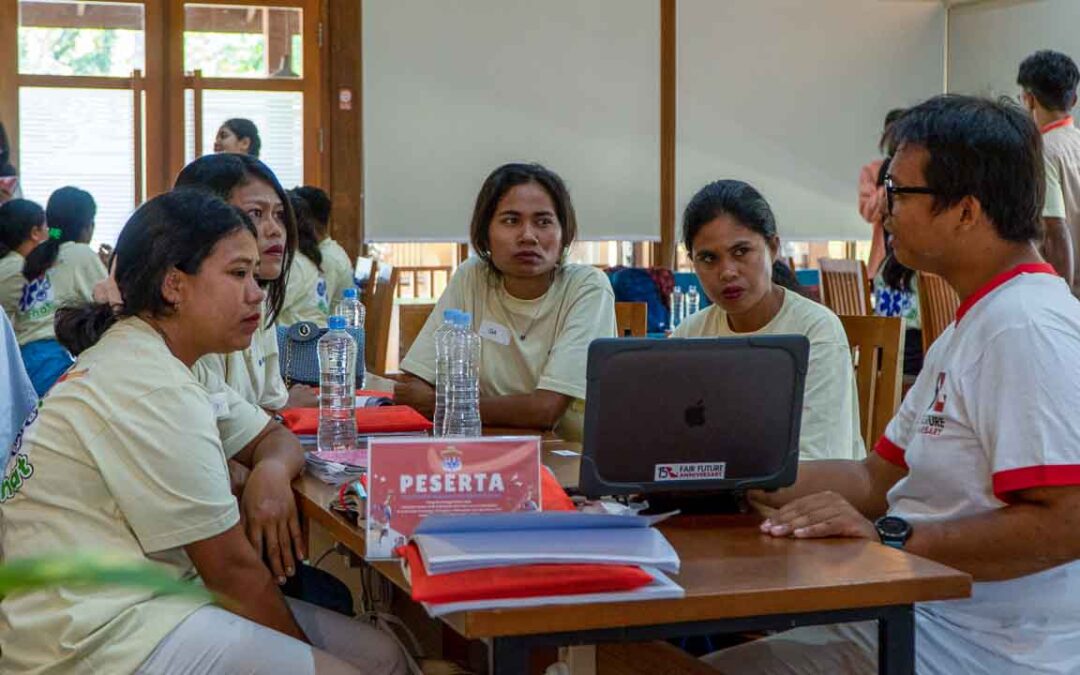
(270, 519)
(238, 476)
(418, 394)
(825, 514)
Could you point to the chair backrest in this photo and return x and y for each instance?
(877, 353)
(379, 302)
(423, 281)
(844, 287)
(938, 303)
(411, 319)
(632, 319)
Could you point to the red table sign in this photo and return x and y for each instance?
(410, 478)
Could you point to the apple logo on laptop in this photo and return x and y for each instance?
(695, 414)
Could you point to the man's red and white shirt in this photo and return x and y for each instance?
(996, 410)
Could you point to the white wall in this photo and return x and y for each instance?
(453, 88)
(790, 95)
(988, 40)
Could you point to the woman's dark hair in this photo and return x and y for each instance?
(989, 150)
(893, 272)
(70, 215)
(1051, 77)
(6, 168)
(307, 240)
(495, 188)
(743, 203)
(18, 218)
(319, 203)
(890, 117)
(178, 229)
(223, 173)
(244, 128)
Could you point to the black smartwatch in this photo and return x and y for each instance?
(893, 531)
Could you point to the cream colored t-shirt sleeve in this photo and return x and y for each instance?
(420, 361)
(830, 415)
(591, 315)
(1054, 206)
(11, 283)
(239, 421)
(163, 463)
(87, 271)
(275, 394)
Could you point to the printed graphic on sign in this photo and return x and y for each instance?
(691, 471)
(410, 478)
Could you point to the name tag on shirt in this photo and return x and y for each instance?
(497, 333)
(220, 403)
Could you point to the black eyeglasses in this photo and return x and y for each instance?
(892, 189)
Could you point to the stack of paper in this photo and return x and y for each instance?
(337, 467)
(520, 560)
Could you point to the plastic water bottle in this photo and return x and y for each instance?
(337, 388)
(692, 301)
(463, 382)
(442, 367)
(677, 303)
(351, 308)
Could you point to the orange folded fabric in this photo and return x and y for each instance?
(385, 420)
(552, 495)
(520, 581)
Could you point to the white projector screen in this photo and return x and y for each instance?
(790, 96)
(987, 41)
(453, 89)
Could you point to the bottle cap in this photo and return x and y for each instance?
(464, 319)
(336, 322)
(450, 315)
(349, 293)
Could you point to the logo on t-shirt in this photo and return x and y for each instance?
(37, 298)
(933, 421)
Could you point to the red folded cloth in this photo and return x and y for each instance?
(552, 496)
(385, 420)
(520, 581)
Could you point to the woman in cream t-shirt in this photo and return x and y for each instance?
(730, 232)
(126, 456)
(535, 314)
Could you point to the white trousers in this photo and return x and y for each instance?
(213, 641)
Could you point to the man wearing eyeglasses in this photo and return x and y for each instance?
(980, 467)
(1048, 82)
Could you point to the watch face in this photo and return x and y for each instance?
(891, 526)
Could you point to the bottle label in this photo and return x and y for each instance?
(497, 333)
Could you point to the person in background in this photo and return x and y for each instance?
(1048, 81)
(730, 233)
(17, 395)
(9, 175)
(22, 228)
(62, 270)
(978, 469)
(305, 297)
(872, 203)
(239, 136)
(896, 293)
(248, 184)
(127, 454)
(535, 313)
(337, 266)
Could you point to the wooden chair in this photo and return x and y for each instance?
(411, 319)
(631, 319)
(877, 353)
(844, 286)
(938, 303)
(379, 301)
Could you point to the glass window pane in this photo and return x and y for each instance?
(80, 137)
(61, 37)
(279, 116)
(257, 42)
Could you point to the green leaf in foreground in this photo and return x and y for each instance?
(32, 574)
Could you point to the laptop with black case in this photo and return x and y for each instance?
(684, 419)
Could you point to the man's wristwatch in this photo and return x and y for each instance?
(893, 531)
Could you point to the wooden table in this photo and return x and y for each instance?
(736, 579)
